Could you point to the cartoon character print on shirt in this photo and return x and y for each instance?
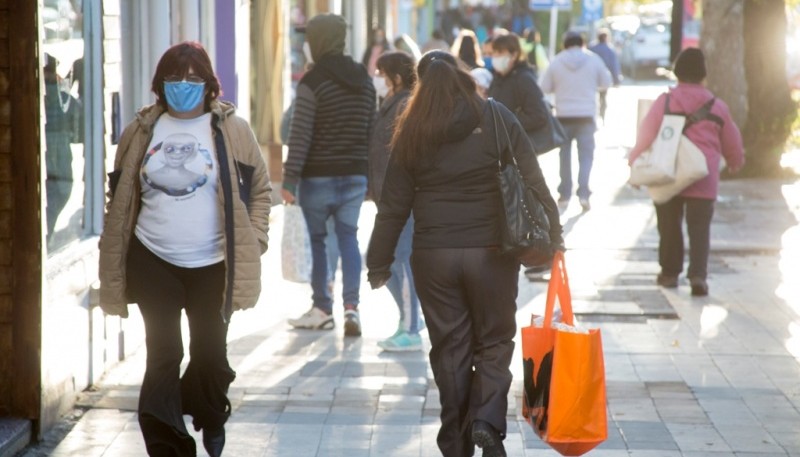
(185, 165)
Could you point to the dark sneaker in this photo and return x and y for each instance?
(352, 323)
(668, 281)
(699, 287)
(486, 437)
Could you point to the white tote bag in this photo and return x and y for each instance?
(691, 166)
(295, 246)
(657, 165)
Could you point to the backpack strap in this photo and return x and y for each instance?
(702, 114)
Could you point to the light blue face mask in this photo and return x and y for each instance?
(184, 96)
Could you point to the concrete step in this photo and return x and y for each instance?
(15, 434)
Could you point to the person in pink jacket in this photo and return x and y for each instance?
(718, 137)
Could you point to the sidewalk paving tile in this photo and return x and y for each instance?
(686, 376)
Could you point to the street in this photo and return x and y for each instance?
(686, 376)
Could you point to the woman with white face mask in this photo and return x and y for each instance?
(514, 84)
(393, 82)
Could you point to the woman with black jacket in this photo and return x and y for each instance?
(396, 78)
(443, 168)
(514, 84)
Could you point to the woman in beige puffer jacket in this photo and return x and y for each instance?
(185, 227)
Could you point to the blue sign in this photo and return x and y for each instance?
(591, 10)
(547, 5)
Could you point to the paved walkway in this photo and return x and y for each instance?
(716, 376)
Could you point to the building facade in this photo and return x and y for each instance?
(72, 75)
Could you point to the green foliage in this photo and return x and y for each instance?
(793, 142)
(542, 21)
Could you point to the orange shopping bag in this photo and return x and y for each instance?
(564, 397)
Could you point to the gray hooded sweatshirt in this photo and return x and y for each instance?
(574, 76)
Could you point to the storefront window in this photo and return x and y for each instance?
(298, 18)
(64, 86)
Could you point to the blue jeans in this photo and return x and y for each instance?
(340, 197)
(582, 131)
(332, 247)
(401, 284)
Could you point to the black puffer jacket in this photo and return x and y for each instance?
(381, 137)
(520, 93)
(454, 193)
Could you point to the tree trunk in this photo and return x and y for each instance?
(723, 45)
(771, 109)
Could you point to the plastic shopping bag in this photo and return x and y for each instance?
(564, 397)
(295, 246)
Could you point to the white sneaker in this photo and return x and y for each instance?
(585, 204)
(315, 319)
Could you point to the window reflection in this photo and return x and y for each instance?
(297, 58)
(64, 88)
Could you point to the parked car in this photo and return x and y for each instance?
(646, 49)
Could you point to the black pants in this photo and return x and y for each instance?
(162, 290)
(468, 297)
(699, 212)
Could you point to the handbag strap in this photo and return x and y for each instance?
(500, 150)
(558, 286)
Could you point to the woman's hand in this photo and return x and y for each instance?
(288, 197)
(378, 279)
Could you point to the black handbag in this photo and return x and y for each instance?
(526, 231)
(550, 136)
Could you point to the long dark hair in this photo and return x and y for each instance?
(440, 84)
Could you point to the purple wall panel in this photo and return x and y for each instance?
(226, 47)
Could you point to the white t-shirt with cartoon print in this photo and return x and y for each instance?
(180, 219)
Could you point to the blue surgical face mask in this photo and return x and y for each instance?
(184, 96)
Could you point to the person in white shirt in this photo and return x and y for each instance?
(185, 227)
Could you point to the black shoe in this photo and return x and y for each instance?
(214, 441)
(668, 281)
(699, 287)
(486, 437)
(352, 322)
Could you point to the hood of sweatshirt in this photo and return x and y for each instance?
(574, 58)
(344, 70)
(325, 34)
(462, 122)
(687, 97)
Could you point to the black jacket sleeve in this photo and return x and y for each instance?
(532, 173)
(532, 109)
(394, 208)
